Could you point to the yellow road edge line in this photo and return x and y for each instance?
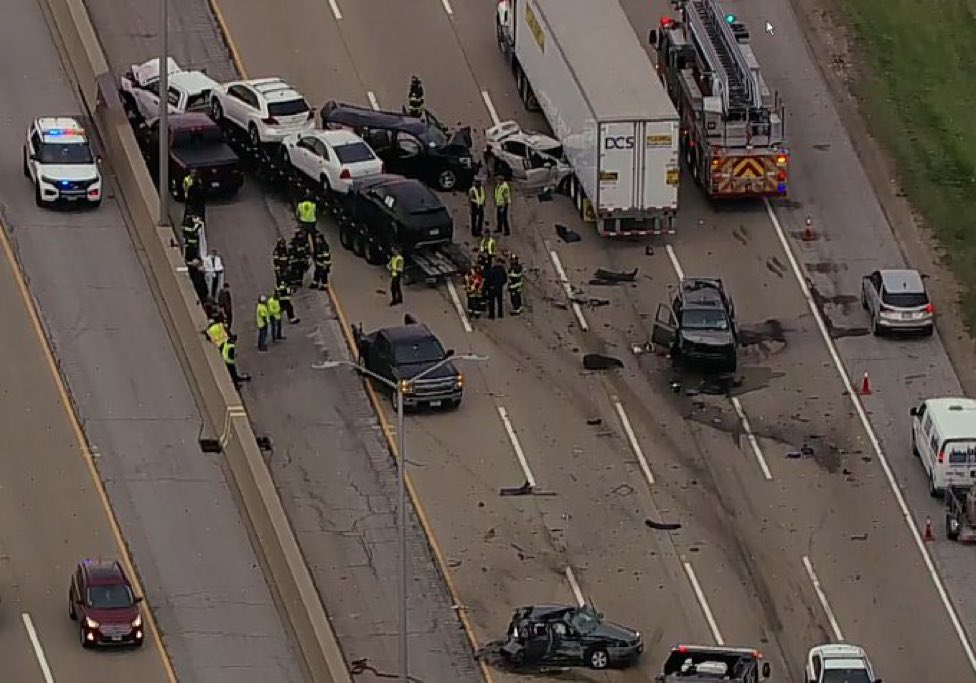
(388, 432)
(82, 442)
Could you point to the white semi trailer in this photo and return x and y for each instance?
(580, 62)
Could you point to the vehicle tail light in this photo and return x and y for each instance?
(716, 162)
(782, 175)
(666, 22)
(782, 159)
(271, 121)
(941, 457)
(345, 175)
(930, 309)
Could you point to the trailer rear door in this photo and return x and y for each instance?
(661, 169)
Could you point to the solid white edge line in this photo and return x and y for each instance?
(632, 438)
(574, 586)
(447, 7)
(371, 96)
(873, 438)
(519, 453)
(492, 112)
(568, 288)
(679, 271)
(452, 290)
(700, 595)
(822, 597)
(38, 649)
(737, 404)
(334, 6)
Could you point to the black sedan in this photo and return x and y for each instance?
(558, 635)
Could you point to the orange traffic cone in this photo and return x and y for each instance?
(928, 536)
(865, 385)
(808, 231)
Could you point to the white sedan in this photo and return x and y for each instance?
(839, 663)
(331, 159)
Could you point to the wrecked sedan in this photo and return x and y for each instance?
(559, 635)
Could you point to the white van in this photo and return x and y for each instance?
(944, 439)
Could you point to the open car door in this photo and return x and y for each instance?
(665, 330)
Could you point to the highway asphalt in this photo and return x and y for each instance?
(775, 552)
(175, 509)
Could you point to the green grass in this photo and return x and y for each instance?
(920, 101)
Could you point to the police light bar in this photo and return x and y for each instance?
(60, 132)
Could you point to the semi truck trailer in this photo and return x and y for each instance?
(580, 63)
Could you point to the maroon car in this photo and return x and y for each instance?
(101, 599)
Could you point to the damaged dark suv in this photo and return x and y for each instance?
(699, 327)
(560, 635)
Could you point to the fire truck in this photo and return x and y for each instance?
(732, 126)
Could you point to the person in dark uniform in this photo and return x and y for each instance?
(297, 259)
(495, 288)
(226, 305)
(194, 195)
(322, 262)
(396, 266)
(280, 258)
(191, 229)
(199, 280)
(515, 281)
(283, 292)
(415, 97)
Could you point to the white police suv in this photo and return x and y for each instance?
(59, 159)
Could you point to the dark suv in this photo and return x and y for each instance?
(414, 147)
(402, 353)
(101, 598)
(699, 327)
(385, 211)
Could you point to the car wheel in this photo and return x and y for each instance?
(216, 112)
(374, 255)
(877, 329)
(345, 235)
(326, 185)
(454, 404)
(952, 528)
(597, 659)
(26, 167)
(915, 446)
(37, 195)
(934, 492)
(252, 132)
(864, 300)
(928, 331)
(447, 180)
(81, 637)
(72, 614)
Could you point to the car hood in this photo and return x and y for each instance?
(68, 171)
(610, 631)
(407, 371)
(708, 337)
(123, 615)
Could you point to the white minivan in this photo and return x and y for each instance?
(944, 439)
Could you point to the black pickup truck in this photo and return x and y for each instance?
(196, 143)
(400, 354)
(709, 664)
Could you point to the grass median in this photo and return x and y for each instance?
(920, 100)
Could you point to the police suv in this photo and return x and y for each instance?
(59, 159)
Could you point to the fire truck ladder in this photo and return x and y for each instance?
(739, 87)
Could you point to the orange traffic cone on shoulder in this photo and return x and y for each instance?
(865, 385)
(808, 231)
(928, 536)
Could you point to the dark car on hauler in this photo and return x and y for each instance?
(399, 354)
(385, 211)
(561, 635)
(419, 148)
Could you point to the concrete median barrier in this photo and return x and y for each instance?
(185, 320)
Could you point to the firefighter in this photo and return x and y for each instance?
(415, 97)
(280, 258)
(307, 214)
(283, 294)
(476, 202)
(193, 194)
(474, 284)
(322, 263)
(297, 259)
(503, 199)
(191, 229)
(515, 281)
(486, 252)
(395, 267)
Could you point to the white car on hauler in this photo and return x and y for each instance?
(59, 161)
(188, 90)
(529, 158)
(331, 159)
(266, 109)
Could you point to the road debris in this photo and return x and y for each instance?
(615, 276)
(594, 421)
(596, 361)
(662, 526)
(567, 235)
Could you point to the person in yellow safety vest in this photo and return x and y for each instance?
(307, 212)
(217, 333)
(193, 193)
(486, 252)
(515, 275)
(396, 266)
(274, 311)
(261, 318)
(229, 353)
(476, 202)
(503, 199)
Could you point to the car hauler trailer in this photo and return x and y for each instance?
(732, 126)
(580, 63)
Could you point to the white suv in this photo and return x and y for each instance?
(331, 159)
(58, 158)
(267, 109)
(188, 90)
(839, 663)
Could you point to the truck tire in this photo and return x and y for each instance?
(216, 112)
(374, 254)
(345, 235)
(952, 528)
(359, 244)
(446, 180)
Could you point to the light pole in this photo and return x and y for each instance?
(163, 218)
(399, 389)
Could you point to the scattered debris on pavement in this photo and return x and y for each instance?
(662, 526)
(567, 235)
(596, 361)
